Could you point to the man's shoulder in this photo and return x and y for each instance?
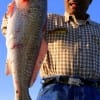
(96, 27)
(94, 23)
(55, 18)
(55, 21)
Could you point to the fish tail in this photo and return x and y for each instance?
(22, 95)
(22, 98)
(21, 90)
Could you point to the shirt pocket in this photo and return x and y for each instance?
(55, 35)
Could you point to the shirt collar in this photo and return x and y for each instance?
(74, 21)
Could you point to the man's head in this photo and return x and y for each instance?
(90, 1)
(77, 7)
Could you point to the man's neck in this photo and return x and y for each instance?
(76, 16)
(81, 16)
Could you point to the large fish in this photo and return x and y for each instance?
(25, 24)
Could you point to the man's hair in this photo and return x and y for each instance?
(90, 1)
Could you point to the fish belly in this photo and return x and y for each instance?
(23, 40)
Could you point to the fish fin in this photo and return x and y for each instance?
(41, 55)
(8, 67)
(10, 9)
(4, 24)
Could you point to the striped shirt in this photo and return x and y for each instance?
(73, 48)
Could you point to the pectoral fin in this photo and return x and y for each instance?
(42, 52)
(8, 67)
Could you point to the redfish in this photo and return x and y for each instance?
(26, 20)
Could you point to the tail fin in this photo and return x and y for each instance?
(24, 97)
(23, 94)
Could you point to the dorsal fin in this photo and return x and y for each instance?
(10, 8)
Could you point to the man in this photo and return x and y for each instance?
(71, 68)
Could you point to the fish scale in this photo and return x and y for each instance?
(26, 19)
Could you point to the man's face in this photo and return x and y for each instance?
(76, 6)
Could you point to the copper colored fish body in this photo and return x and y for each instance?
(26, 19)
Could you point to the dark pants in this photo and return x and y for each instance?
(68, 92)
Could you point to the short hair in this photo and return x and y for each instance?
(90, 1)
